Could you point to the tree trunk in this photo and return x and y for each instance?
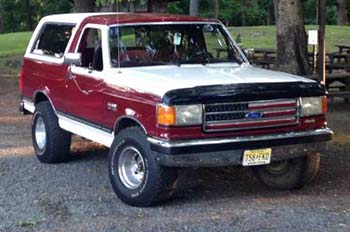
(115, 6)
(270, 15)
(321, 59)
(342, 18)
(29, 15)
(216, 8)
(157, 6)
(292, 54)
(243, 12)
(84, 5)
(194, 7)
(1, 22)
(131, 7)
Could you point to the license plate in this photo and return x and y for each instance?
(257, 157)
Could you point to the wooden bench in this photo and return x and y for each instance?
(264, 57)
(338, 61)
(343, 48)
(342, 91)
(340, 94)
(335, 76)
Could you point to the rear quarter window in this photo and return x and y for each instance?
(52, 40)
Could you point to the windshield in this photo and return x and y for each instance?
(146, 45)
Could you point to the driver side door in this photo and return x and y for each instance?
(86, 83)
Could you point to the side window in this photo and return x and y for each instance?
(90, 48)
(53, 40)
(122, 40)
(129, 37)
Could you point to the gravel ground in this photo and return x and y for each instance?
(77, 196)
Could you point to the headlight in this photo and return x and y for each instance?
(313, 106)
(187, 115)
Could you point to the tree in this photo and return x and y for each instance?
(292, 55)
(194, 7)
(216, 8)
(342, 17)
(243, 12)
(158, 6)
(29, 14)
(1, 21)
(269, 13)
(84, 5)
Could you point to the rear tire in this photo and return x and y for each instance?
(289, 174)
(51, 143)
(136, 177)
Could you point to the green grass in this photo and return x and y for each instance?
(12, 48)
(14, 44)
(265, 36)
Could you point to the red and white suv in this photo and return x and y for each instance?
(167, 91)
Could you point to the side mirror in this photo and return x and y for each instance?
(72, 58)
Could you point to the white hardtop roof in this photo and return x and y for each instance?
(75, 18)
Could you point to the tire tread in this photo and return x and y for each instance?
(301, 171)
(162, 179)
(58, 140)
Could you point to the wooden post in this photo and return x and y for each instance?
(321, 41)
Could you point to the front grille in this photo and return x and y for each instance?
(250, 115)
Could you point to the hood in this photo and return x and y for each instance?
(159, 80)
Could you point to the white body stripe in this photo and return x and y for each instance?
(86, 131)
(78, 128)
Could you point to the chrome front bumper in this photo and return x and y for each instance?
(229, 151)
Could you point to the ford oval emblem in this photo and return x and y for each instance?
(254, 115)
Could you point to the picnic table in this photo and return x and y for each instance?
(219, 51)
(338, 61)
(265, 52)
(337, 84)
(343, 48)
(264, 56)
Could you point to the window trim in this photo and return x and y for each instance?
(48, 58)
(80, 43)
(224, 29)
(82, 71)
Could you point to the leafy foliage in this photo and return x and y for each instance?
(254, 12)
(107, 2)
(23, 15)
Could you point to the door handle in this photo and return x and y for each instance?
(70, 74)
(100, 87)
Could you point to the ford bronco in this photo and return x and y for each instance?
(163, 92)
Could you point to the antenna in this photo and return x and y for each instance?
(118, 34)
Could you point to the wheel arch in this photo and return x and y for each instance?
(127, 121)
(40, 96)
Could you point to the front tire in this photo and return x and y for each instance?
(289, 174)
(51, 143)
(136, 177)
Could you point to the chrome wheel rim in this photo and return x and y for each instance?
(277, 167)
(40, 133)
(131, 168)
